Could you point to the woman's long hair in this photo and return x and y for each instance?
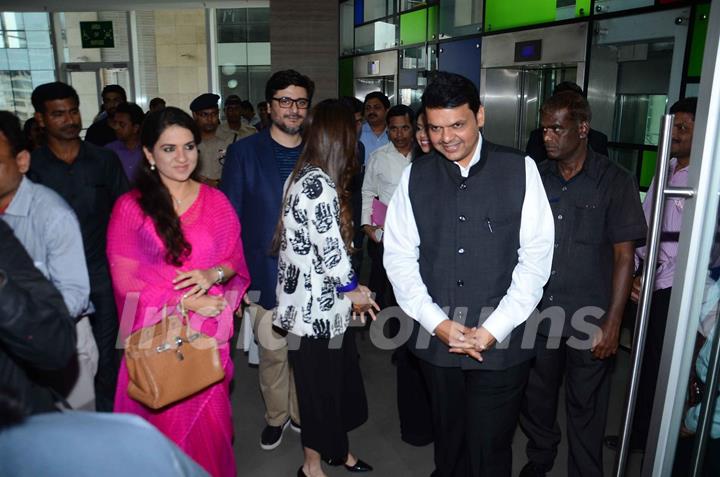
(330, 140)
(155, 200)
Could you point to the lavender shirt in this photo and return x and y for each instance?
(672, 221)
(130, 158)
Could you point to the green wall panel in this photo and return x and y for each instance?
(346, 77)
(697, 44)
(647, 170)
(583, 5)
(433, 22)
(503, 14)
(413, 27)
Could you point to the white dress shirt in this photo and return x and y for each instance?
(537, 235)
(382, 175)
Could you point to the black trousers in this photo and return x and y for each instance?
(379, 282)
(587, 388)
(650, 365)
(474, 416)
(104, 324)
(330, 392)
(413, 400)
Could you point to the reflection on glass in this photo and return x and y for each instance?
(697, 395)
(241, 25)
(14, 39)
(625, 158)
(413, 76)
(605, 6)
(384, 84)
(460, 17)
(638, 117)
(248, 82)
(409, 4)
(375, 36)
(374, 9)
(347, 11)
(15, 91)
(13, 21)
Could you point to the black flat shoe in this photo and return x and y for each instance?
(360, 466)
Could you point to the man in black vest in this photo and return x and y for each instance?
(598, 218)
(468, 247)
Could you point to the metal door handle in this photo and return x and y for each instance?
(657, 211)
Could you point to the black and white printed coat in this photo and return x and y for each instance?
(313, 261)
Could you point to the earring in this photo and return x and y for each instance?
(152, 166)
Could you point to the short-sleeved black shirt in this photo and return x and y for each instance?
(90, 185)
(595, 209)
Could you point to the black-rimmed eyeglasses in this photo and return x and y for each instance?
(285, 102)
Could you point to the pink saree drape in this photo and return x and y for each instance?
(201, 425)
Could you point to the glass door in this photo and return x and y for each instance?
(636, 68)
(684, 436)
(89, 79)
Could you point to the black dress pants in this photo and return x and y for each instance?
(587, 387)
(413, 399)
(104, 324)
(475, 414)
(379, 282)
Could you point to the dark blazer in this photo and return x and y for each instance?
(36, 331)
(535, 148)
(251, 180)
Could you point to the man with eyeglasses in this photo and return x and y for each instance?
(253, 176)
(212, 147)
(374, 132)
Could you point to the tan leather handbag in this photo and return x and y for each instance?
(170, 361)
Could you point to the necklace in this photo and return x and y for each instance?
(178, 202)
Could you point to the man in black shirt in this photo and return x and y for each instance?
(101, 132)
(598, 219)
(90, 179)
(535, 148)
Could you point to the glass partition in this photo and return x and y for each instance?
(375, 36)
(347, 28)
(419, 26)
(460, 17)
(415, 67)
(26, 59)
(243, 51)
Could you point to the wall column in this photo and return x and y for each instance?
(304, 37)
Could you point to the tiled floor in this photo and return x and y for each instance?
(377, 441)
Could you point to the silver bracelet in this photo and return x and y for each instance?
(221, 274)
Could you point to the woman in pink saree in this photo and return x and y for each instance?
(169, 239)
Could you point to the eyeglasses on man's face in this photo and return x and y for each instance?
(285, 102)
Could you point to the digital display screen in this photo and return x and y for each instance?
(528, 50)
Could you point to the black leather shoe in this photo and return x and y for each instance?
(613, 442)
(532, 469)
(360, 466)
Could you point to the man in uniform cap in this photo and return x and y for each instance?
(212, 146)
(234, 128)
